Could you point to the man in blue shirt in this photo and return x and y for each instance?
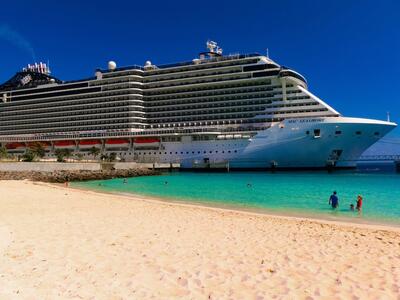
(334, 200)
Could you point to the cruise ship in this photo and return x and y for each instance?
(215, 111)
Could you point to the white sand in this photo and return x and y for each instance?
(59, 242)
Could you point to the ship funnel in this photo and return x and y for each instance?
(41, 68)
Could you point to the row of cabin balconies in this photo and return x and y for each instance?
(207, 85)
(134, 91)
(67, 118)
(82, 113)
(196, 80)
(192, 74)
(236, 105)
(68, 122)
(125, 92)
(210, 89)
(109, 106)
(126, 106)
(142, 112)
(262, 96)
(225, 113)
(74, 106)
(73, 128)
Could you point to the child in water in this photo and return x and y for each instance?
(352, 207)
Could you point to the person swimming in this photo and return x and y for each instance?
(334, 200)
(352, 207)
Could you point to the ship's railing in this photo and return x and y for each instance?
(369, 158)
(155, 132)
(185, 63)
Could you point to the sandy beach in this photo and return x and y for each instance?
(63, 243)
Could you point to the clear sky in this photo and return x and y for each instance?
(349, 50)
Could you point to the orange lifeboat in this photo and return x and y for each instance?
(15, 146)
(117, 143)
(45, 145)
(146, 142)
(87, 144)
(64, 144)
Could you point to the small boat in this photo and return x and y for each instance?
(142, 142)
(117, 143)
(88, 144)
(64, 145)
(15, 146)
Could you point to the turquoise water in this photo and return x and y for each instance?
(298, 193)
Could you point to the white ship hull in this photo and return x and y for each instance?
(339, 143)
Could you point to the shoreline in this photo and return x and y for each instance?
(294, 214)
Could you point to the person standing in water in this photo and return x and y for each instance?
(334, 200)
(359, 202)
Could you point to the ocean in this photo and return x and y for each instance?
(288, 193)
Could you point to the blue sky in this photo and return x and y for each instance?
(349, 51)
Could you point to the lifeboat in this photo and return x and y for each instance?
(64, 145)
(117, 143)
(88, 144)
(45, 145)
(141, 142)
(15, 146)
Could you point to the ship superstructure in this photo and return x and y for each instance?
(245, 111)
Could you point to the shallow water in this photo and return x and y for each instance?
(301, 193)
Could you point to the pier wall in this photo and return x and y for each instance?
(77, 166)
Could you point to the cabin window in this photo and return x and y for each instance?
(317, 133)
(376, 133)
(358, 132)
(337, 132)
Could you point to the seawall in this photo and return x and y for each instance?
(75, 166)
(62, 172)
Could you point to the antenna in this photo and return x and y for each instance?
(388, 116)
(211, 45)
(267, 53)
